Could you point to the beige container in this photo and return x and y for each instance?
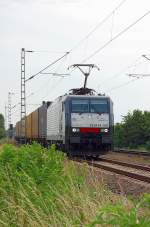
(35, 124)
(22, 131)
(17, 129)
(29, 126)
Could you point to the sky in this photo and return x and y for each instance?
(51, 28)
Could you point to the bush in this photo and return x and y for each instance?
(148, 146)
(40, 187)
(117, 215)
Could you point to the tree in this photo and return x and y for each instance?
(134, 130)
(2, 127)
(119, 135)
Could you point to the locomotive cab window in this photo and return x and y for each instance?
(99, 106)
(80, 106)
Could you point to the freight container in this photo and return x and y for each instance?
(29, 126)
(22, 129)
(17, 129)
(18, 132)
(35, 124)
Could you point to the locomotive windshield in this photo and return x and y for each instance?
(80, 105)
(98, 106)
(89, 106)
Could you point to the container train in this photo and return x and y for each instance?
(77, 124)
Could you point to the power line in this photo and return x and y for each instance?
(98, 25)
(135, 63)
(49, 80)
(57, 74)
(122, 85)
(49, 51)
(138, 75)
(145, 56)
(88, 35)
(53, 87)
(116, 36)
(134, 75)
(33, 76)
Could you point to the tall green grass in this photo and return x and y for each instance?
(40, 187)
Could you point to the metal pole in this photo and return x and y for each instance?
(9, 109)
(5, 116)
(23, 98)
(10, 126)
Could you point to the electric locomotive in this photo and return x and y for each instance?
(81, 124)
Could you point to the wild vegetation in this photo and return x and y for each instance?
(41, 187)
(133, 131)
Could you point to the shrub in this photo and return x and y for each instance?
(117, 215)
(40, 187)
(148, 145)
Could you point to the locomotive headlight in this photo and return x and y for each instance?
(104, 130)
(75, 129)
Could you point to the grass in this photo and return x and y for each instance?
(40, 187)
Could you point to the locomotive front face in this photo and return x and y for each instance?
(91, 122)
(89, 114)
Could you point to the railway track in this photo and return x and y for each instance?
(136, 152)
(134, 171)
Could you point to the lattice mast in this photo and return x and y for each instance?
(23, 97)
(9, 109)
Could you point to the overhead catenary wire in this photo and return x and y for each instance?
(122, 85)
(133, 64)
(46, 84)
(98, 25)
(115, 37)
(53, 87)
(86, 37)
(48, 66)
(73, 48)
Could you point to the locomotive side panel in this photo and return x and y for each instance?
(54, 121)
(43, 120)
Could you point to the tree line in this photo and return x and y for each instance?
(133, 131)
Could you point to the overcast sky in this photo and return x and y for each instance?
(53, 27)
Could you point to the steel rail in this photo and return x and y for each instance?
(136, 152)
(135, 166)
(133, 175)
